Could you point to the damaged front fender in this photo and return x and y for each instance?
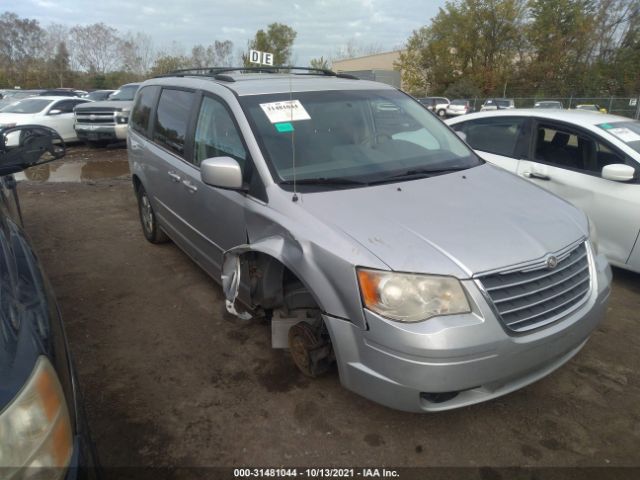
(231, 269)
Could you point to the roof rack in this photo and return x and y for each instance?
(219, 72)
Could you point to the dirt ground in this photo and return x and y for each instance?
(170, 379)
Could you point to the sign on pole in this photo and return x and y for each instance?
(261, 58)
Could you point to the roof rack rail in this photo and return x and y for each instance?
(219, 72)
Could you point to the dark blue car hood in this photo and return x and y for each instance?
(25, 313)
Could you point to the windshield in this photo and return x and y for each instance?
(98, 95)
(503, 103)
(360, 136)
(125, 93)
(627, 132)
(28, 105)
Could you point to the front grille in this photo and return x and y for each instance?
(536, 295)
(99, 117)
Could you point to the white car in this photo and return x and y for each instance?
(458, 107)
(54, 112)
(593, 161)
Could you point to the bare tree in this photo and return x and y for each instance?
(137, 53)
(353, 49)
(221, 53)
(96, 48)
(21, 48)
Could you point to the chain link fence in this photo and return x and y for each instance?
(624, 106)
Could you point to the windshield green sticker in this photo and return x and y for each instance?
(605, 126)
(284, 127)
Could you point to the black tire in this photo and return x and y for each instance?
(442, 113)
(150, 227)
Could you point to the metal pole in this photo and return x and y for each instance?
(610, 104)
(638, 107)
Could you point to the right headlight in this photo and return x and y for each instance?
(35, 429)
(406, 297)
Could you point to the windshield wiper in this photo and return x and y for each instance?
(416, 173)
(323, 181)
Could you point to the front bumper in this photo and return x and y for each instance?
(458, 360)
(88, 132)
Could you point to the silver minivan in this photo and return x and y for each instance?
(367, 232)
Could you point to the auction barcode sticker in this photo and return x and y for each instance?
(286, 111)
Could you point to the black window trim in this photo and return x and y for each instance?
(576, 130)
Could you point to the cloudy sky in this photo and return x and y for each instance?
(323, 26)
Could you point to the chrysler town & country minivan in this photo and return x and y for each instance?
(367, 231)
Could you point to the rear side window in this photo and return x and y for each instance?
(66, 106)
(172, 119)
(562, 148)
(500, 136)
(141, 114)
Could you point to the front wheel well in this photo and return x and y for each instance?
(274, 286)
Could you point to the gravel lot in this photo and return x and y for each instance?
(170, 379)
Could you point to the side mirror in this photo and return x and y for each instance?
(222, 172)
(28, 145)
(618, 172)
(55, 111)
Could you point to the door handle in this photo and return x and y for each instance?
(174, 176)
(190, 186)
(538, 176)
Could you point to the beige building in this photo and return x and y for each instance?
(378, 61)
(380, 67)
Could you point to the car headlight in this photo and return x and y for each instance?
(593, 237)
(408, 297)
(35, 429)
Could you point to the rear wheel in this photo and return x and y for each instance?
(150, 228)
(442, 113)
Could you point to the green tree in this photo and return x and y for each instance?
(561, 38)
(479, 39)
(321, 63)
(168, 63)
(278, 40)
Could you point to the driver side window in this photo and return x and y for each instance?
(217, 135)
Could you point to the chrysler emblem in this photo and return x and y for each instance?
(92, 117)
(552, 262)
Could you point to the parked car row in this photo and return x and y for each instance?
(74, 117)
(446, 108)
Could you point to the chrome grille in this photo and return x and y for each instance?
(537, 295)
(95, 117)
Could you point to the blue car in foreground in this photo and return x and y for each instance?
(43, 431)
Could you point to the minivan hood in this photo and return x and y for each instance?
(459, 224)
